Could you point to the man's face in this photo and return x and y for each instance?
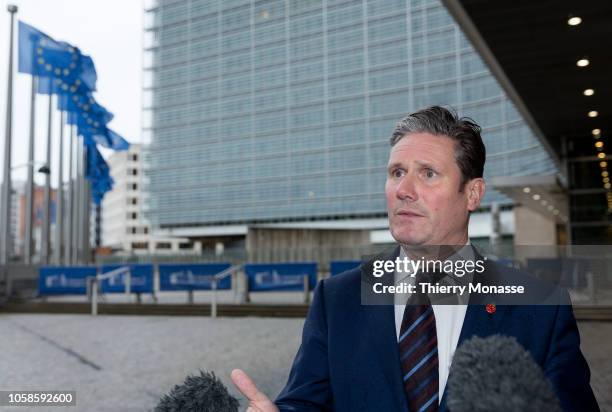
(424, 203)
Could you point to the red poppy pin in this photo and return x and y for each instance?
(490, 308)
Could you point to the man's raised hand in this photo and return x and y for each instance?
(258, 402)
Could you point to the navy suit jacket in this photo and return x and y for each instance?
(349, 357)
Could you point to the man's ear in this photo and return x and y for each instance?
(475, 193)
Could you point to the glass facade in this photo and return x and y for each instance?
(277, 110)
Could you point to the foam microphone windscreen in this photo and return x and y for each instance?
(199, 393)
(497, 374)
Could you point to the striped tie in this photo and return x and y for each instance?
(418, 348)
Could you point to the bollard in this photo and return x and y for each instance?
(94, 297)
(190, 296)
(213, 307)
(235, 288)
(244, 287)
(155, 282)
(88, 289)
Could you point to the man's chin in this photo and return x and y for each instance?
(409, 240)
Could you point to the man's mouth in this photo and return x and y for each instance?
(408, 213)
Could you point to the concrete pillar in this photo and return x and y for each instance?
(535, 235)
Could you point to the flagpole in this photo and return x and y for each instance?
(46, 228)
(5, 220)
(28, 249)
(68, 243)
(86, 208)
(79, 202)
(87, 222)
(59, 202)
(75, 203)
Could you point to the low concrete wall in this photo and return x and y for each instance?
(20, 280)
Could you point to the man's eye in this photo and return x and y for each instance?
(429, 173)
(397, 173)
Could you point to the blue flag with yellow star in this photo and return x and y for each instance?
(91, 119)
(63, 70)
(98, 173)
(110, 139)
(84, 109)
(57, 63)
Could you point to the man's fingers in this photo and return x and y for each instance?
(258, 402)
(247, 387)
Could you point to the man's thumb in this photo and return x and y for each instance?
(245, 384)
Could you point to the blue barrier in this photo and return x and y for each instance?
(59, 280)
(192, 276)
(280, 276)
(339, 266)
(141, 280)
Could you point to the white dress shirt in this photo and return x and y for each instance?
(449, 321)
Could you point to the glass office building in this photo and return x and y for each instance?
(281, 110)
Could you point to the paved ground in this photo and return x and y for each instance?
(125, 363)
(597, 348)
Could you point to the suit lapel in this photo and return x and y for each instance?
(478, 322)
(379, 322)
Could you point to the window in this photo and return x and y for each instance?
(140, 245)
(133, 201)
(132, 215)
(134, 157)
(164, 245)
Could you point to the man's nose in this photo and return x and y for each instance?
(406, 189)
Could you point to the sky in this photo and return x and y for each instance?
(111, 32)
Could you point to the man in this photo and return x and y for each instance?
(357, 357)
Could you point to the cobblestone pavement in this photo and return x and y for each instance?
(125, 363)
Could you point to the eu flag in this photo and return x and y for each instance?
(91, 119)
(88, 75)
(64, 71)
(109, 139)
(84, 106)
(80, 82)
(42, 56)
(98, 173)
(103, 136)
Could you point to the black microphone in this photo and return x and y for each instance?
(497, 374)
(199, 393)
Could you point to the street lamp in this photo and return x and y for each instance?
(44, 168)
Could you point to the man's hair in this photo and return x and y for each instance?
(469, 149)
